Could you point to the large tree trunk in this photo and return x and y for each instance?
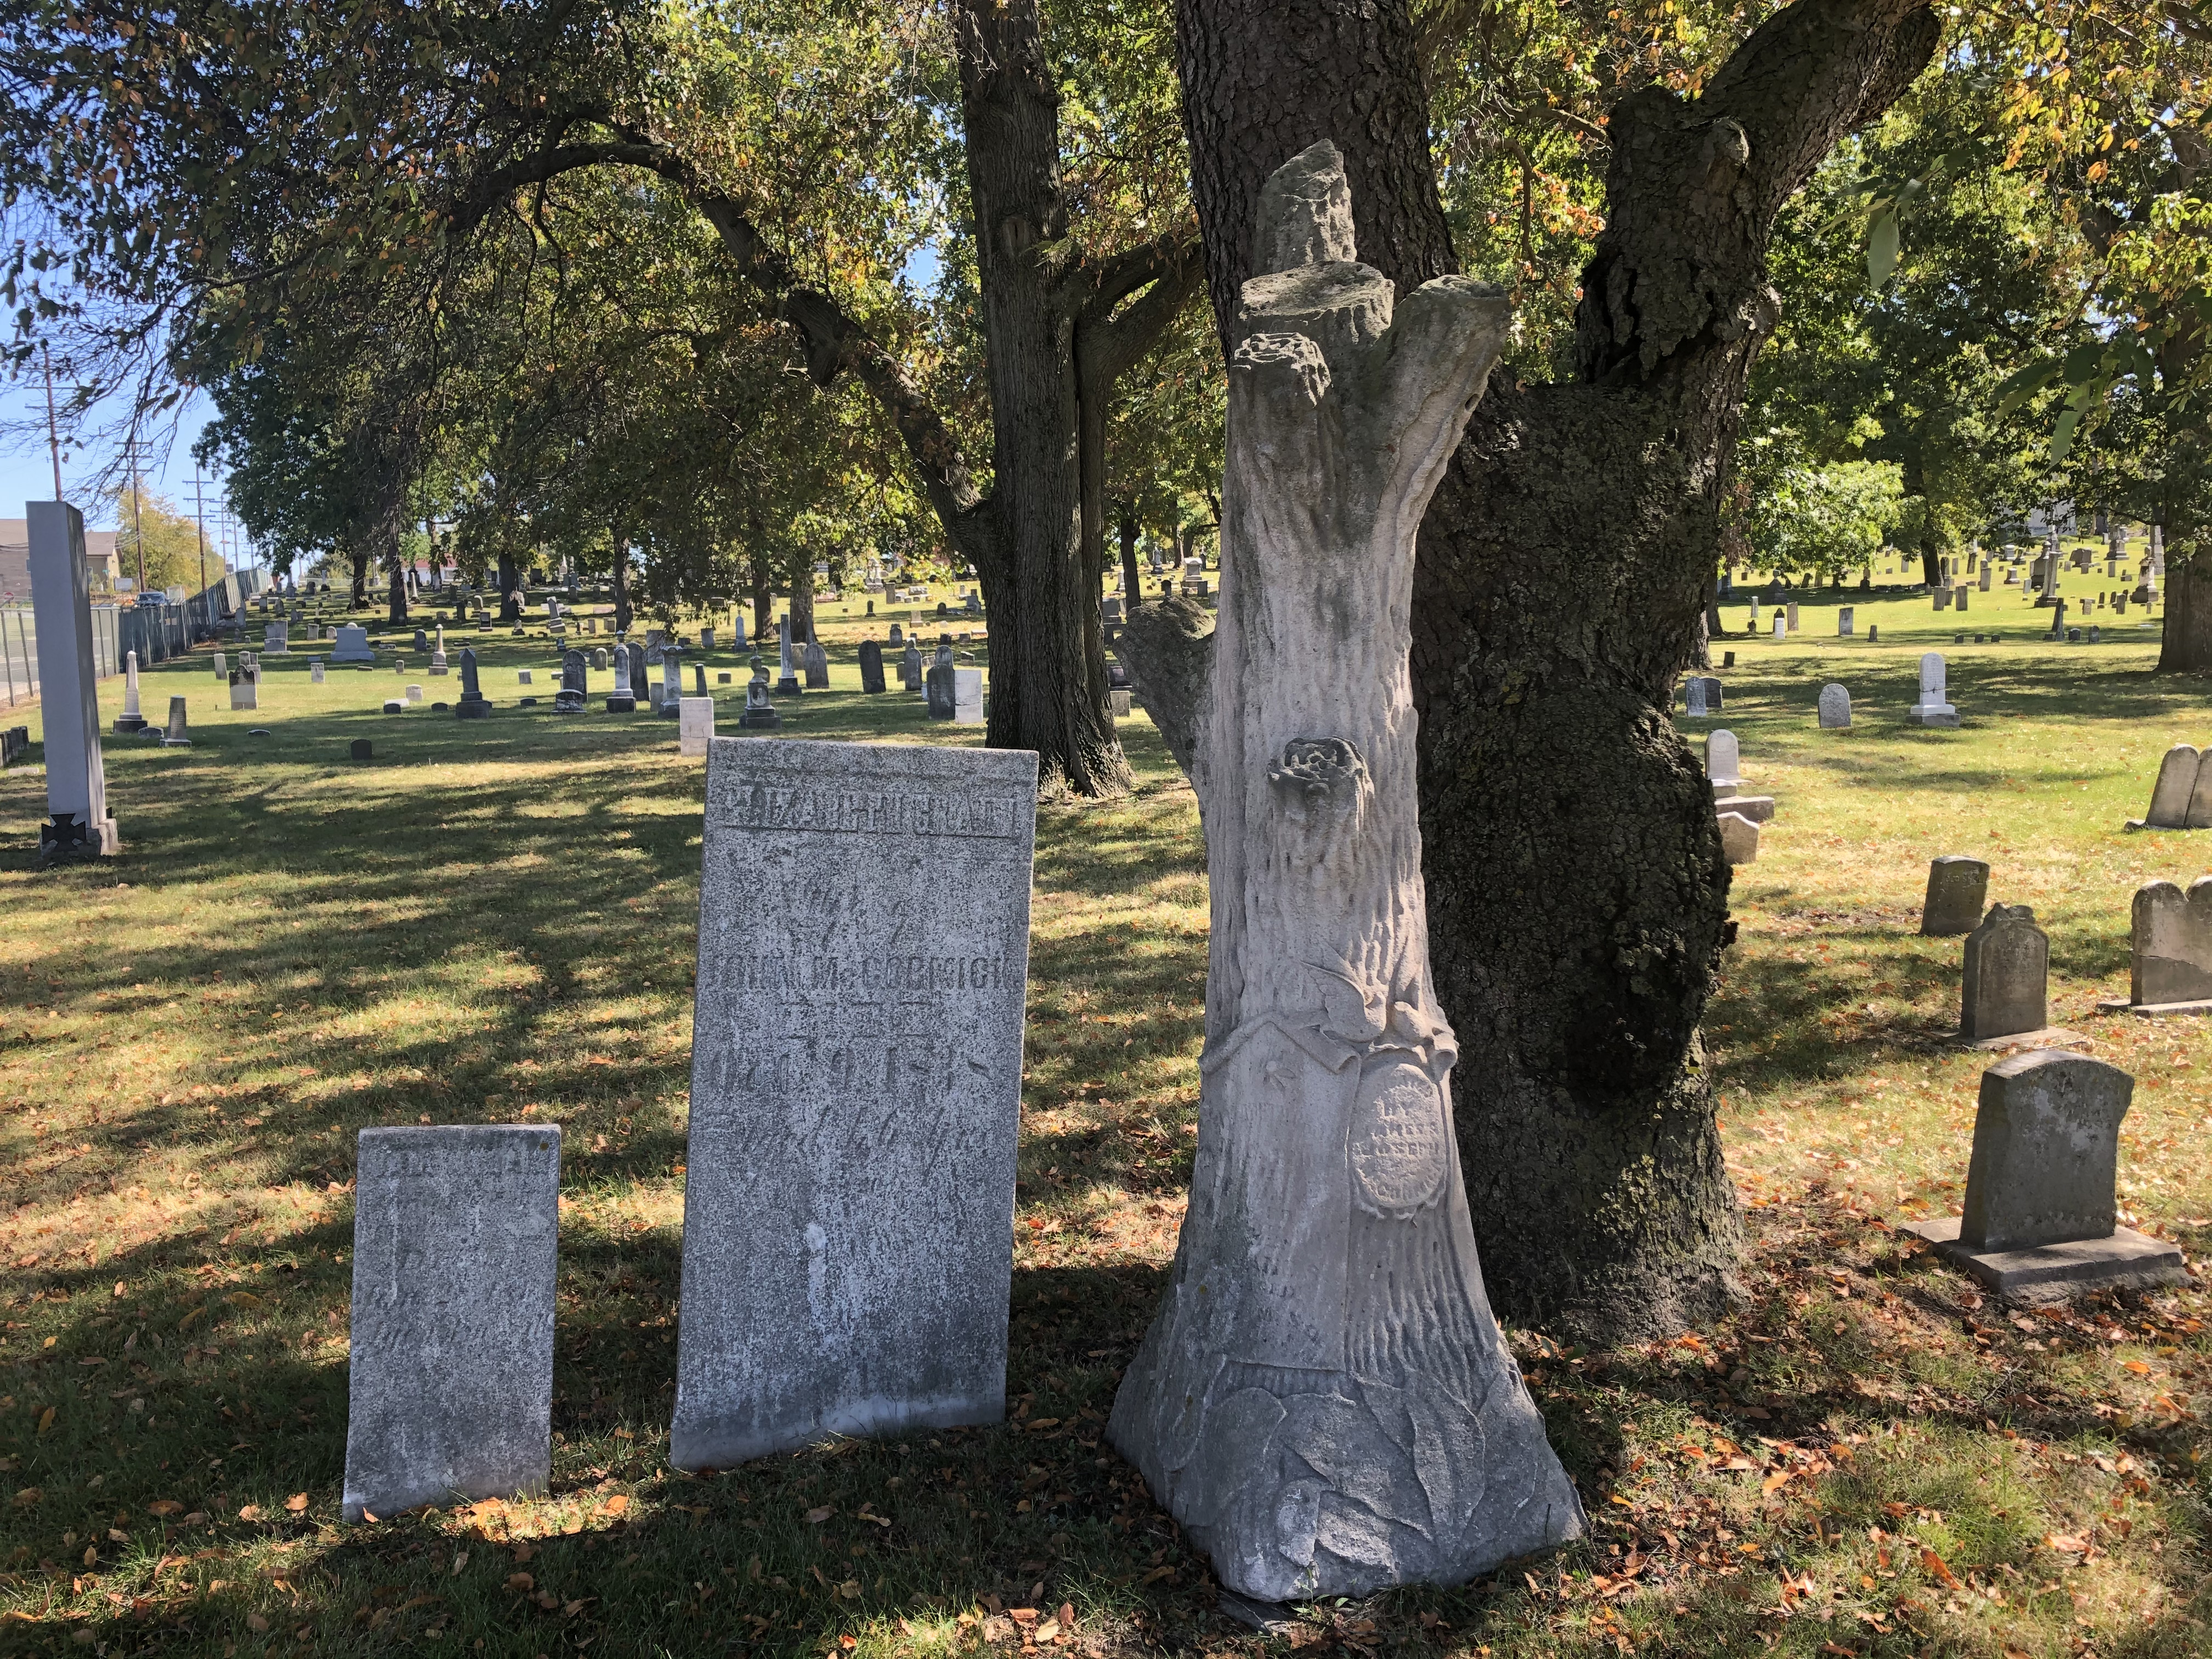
(357, 564)
(2186, 646)
(1576, 901)
(1047, 662)
(1325, 1401)
(802, 602)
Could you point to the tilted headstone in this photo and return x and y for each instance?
(1723, 762)
(2172, 944)
(850, 1188)
(695, 727)
(1931, 710)
(2176, 787)
(77, 825)
(1957, 888)
(871, 666)
(1835, 708)
(450, 1391)
(2004, 991)
(1738, 836)
(699, 680)
(2046, 1152)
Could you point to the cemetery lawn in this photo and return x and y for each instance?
(493, 922)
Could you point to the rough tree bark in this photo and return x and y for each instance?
(1325, 1402)
(2185, 648)
(1577, 902)
(1132, 588)
(625, 613)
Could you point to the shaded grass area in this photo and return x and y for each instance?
(495, 922)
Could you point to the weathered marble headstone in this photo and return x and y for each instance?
(699, 680)
(2172, 941)
(315, 676)
(817, 661)
(938, 683)
(245, 687)
(422, 640)
(414, 693)
(1942, 596)
(1324, 1403)
(2170, 797)
(910, 667)
(78, 825)
(2041, 1218)
(636, 654)
(787, 674)
(737, 630)
(1117, 700)
(695, 727)
(131, 720)
(352, 644)
(437, 665)
(277, 636)
(871, 666)
(1793, 616)
(1835, 708)
(1739, 836)
(222, 666)
(1781, 625)
(849, 1194)
(1957, 888)
(1931, 710)
(1843, 615)
(1693, 695)
(669, 704)
(2008, 969)
(1958, 598)
(1723, 762)
(897, 638)
(174, 734)
(455, 1244)
(705, 639)
(966, 696)
(473, 705)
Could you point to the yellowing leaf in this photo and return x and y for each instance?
(45, 1419)
(2138, 1367)
(617, 1504)
(296, 1503)
(164, 1506)
(815, 1517)
(250, 1512)
(1934, 1564)
(1776, 1481)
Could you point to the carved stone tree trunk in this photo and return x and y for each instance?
(1325, 1401)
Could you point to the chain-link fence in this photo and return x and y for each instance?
(155, 632)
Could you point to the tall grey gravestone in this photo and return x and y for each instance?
(1724, 763)
(2007, 977)
(77, 823)
(455, 1237)
(2170, 797)
(871, 666)
(1324, 1401)
(1957, 887)
(848, 1198)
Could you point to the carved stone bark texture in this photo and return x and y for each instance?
(1325, 1401)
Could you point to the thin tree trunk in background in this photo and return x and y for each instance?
(357, 562)
(1132, 583)
(1576, 898)
(802, 603)
(625, 613)
(764, 594)
(397, 594)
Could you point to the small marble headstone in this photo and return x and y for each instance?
(2171, 944)
(1931, 710)
(966, 696)
(695, 727)
(1957, 887)
(2046, 1151)
(849, 1199)
(1724, 763)
(1739, 837)
(1781, 625)
(451, 1391)
(1843, 622)
(315, 670)
(1792, 612)
(1835, 708)
(2004, 992)
(174, 735)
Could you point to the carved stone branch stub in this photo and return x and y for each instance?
(1325, 1401)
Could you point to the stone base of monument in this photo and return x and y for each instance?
(473, 708)
(622, 705)
(2049, 1273)
(1758, 808)
(127, 723)
(2049, 1037)
(789, 686)
(567, 702)
(2152, 1010)
(1941, 713)
(760, 720)
(63, 839)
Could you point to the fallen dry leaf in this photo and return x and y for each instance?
(163, 1506)
(615, 1504)
(250, 1512)
(297, 1503)
(520, 1581)
(1934, 1563)
(815, 1517)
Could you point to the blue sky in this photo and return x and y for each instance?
(27, 472)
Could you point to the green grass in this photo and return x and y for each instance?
(493, 922)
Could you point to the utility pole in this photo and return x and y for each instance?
(54, 432)
(199, 524)
(138, 524)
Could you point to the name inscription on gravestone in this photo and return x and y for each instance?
(848, 1199)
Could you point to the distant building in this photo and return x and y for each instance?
(16, 561)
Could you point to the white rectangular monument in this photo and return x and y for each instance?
(455, 1238)
(77, 824)
(848, 1202)
(695, 727)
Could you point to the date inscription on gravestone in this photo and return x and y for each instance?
(856, 1068)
